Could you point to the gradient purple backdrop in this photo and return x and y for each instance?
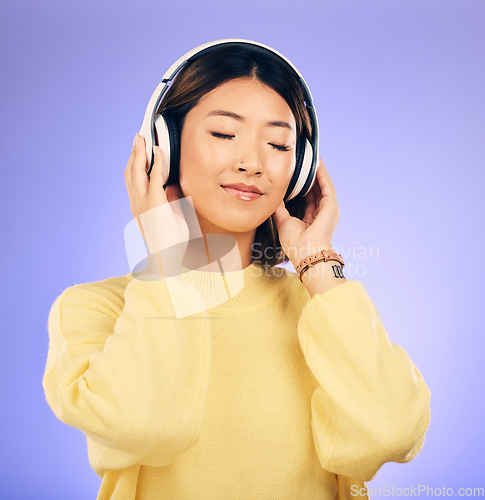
(396, 85)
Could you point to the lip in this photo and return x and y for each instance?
(242, 195)
(248, 188)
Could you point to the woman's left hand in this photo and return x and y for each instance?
(301, 238)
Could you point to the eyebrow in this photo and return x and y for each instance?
(230, 114)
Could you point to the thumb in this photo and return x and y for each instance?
(173, 192)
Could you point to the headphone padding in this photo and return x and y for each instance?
(299, 160)
(162, 139)
(174, 139)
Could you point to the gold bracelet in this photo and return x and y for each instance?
(321, 256)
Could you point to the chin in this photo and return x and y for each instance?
(236, 226)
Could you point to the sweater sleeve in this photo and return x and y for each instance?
(134, 383)
(371, 405)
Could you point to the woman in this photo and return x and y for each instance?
(280, 387)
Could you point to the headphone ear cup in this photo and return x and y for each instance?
(303, 176)
(299, 161)
(308, 175)
(174, 144)
(167, 137)
(162, 138)
(300, 154)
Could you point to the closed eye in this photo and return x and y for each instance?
(225, 136)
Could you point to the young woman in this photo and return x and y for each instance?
(280, 387)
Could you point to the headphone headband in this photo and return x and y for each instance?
(303, 181)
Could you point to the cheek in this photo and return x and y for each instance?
(282, 179)
(284, 166)
(191, 170)
(291, 168)
(194, 183)
(188, 180)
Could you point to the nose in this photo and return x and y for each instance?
(249, 160)
(251, 169)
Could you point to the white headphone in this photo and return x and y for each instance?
(163, 131)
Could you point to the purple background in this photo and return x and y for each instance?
(398, 87)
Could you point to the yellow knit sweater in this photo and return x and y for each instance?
(269, 395)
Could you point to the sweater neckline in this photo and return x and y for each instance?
(228, 291)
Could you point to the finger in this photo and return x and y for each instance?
(129, 171)
(310, 205)
(328, 177)
(156, 175)
(174, 194)
(318, 189)
(326, 186)
(140, 177)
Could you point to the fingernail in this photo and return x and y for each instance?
(135, 140)
(155, 150)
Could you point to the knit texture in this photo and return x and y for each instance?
(268, 394)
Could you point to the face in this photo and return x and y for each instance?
(218, 150)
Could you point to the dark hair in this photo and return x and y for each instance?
(227, 62)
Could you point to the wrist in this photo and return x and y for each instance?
(331, 268)
(323, 255)
(304, 252)
(322, 276)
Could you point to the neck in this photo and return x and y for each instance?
(218, 247)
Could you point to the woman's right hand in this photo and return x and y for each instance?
(146, 193)
(158, 212)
